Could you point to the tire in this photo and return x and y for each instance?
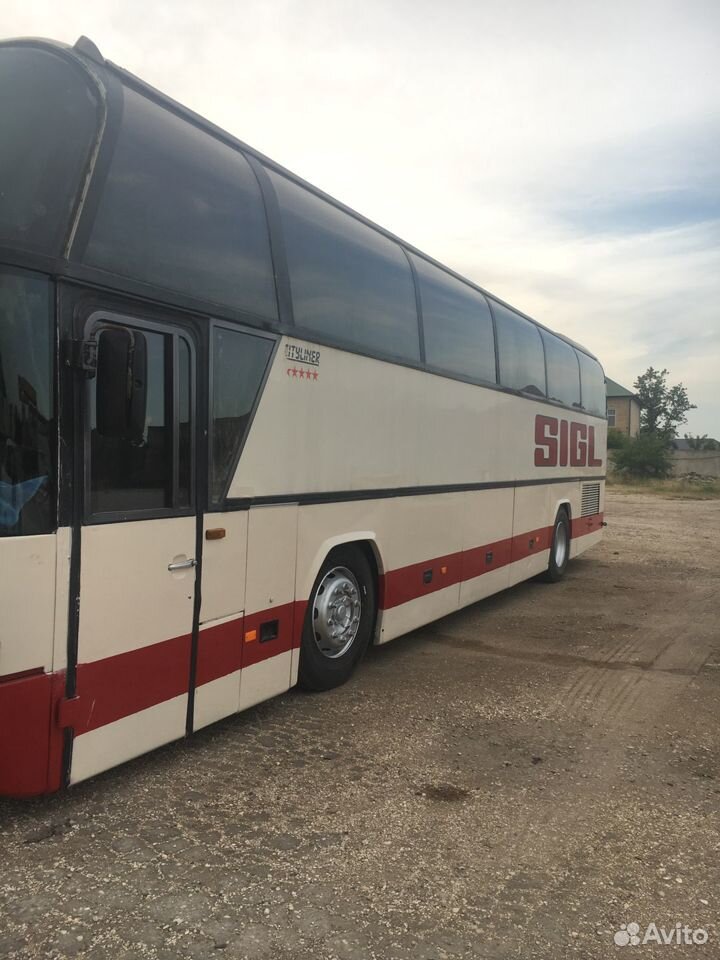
(559, 549)
(339, 620)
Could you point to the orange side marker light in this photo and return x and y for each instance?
(250, 636)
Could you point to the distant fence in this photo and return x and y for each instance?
(704, 462)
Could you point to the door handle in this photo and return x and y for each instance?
(182, 565)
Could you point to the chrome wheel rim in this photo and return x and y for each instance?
(337, 606)
(561, 544)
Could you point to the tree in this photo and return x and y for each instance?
(646, 455)
(616, 439)
(664, 408)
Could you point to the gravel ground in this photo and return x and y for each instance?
(516, 780)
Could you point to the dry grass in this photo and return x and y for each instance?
(673, 489)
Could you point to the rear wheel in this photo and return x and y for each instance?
(559, 549)
(339, 619)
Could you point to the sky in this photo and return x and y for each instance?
(564, 154)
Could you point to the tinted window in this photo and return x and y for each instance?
(27, 426)
(48, 121)
(182, 210)
(522, 363)
(151, 471)
(457, 324)
(563, 372)
(348, 281)
(239, 361)
(592, 380)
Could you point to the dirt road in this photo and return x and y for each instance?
(517, 780)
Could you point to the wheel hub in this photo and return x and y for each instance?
(337, 607)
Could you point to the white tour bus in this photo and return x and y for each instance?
(244, 432)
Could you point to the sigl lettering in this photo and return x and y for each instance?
(562, 443)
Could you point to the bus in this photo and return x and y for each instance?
(244, 431)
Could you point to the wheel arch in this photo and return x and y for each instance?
(366, 543)
(364, 539)
(563, 503)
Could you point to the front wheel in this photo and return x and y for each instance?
(339, 619)
(559, 549)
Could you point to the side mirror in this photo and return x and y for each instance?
(121, 383)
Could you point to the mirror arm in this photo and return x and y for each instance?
(81, 355)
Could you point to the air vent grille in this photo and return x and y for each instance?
(590, 499)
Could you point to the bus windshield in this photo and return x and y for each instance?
(48, 121)
(26, 405)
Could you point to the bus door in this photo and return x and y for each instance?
(246, 617)
(138, 551)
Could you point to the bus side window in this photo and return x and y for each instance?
(239, 362)
(592, 381)
(182, 210)
(49, 118)
(139, 468)
(563, 370)
(348, 281)
(520, 349)
(457, 324)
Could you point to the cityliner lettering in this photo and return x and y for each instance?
(562, 443)
(302, 354)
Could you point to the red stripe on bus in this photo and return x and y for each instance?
(33, 712)
(219, 650)
(418, 579)
(530, 543)
(482, 560)
(125, 683)
(113, 688)
(222, 648)
(582, 525)
(277, 623)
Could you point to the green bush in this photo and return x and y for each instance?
(616, 439)
(646, 455)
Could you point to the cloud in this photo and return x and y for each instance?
(563, 154)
